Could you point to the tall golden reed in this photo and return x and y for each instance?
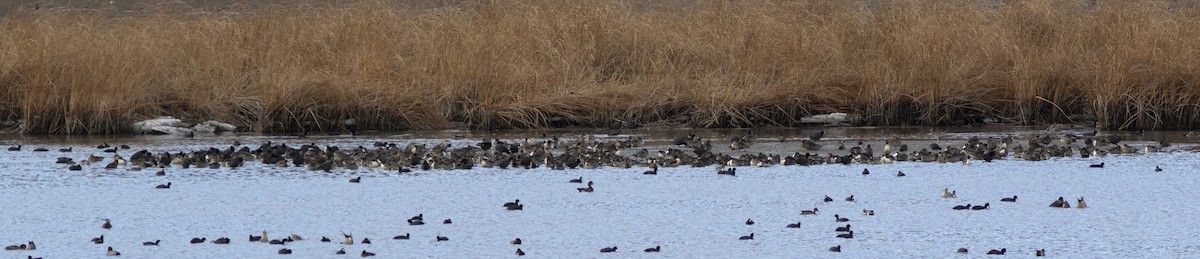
(495, 64)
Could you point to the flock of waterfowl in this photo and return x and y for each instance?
(587, 152)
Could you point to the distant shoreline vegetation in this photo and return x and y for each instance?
(533, 64)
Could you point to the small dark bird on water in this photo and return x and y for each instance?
(1157, 169)
(1100, 165)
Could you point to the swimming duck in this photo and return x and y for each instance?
(837, 218)
(750, 237)
(586, 189)
(404, 237)
(983, 207)
(827, 199)
(197, 240)
(366, 241)
(112, 252)
(340, 251)
(749, 222)
(654, 170)
(848, 234)
(15, 247)
(579, 180)
(164, 186)
(962, 207)
(16, 148)
(221, 240)
(730, 172)
(347, 239)
(155, 243)
(1058, 203)
(285, 251)
(900, 174)
(98, 240)
(1039, 252)
(794, 225)
(869, 212)
(254, 238)
(1100, 165)
(366, 254)
(866, 172)
(836, 249)
(1079, 203)
(447, 221)
(809, 212)
(850, 199)
(1013, 199)
(654, 249)
(107, 224)
(75, 167)
(843, 229)
(520, 253)
(608, 249)
(516, 241)
(442, 238)
(962, 250)
(998, 252)
(1157, 169)
(356, 179)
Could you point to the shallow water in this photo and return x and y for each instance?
(690, 212)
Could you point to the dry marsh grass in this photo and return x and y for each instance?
(529, 63)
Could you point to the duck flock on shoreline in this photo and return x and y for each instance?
(586, 152)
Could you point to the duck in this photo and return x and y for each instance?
(285, 251)
(520, 253)
(442, 238)
(654, 249)
(749, 222)
(15, 148)
(419, 219)
(981, 207)
(817, 136)
(263, 237)
(586, 189)
(15, 247)
(112, 252)
(850, 199)
(406, 236)
(730, 172)
(161, 173)
(164, 186)
(341, 251)
(794, 225)
(1157, 169)
(836, 249)
(155, 243)
(107, 224)
(1100, 165)
(653, 171)
(75, 167)
(577, 180)
(512, 204)
(254, 238)
(277, 242)
(1079, 203)
(1058, 203)
(1013, 199)
(868, 212)
(900, 174)
(827, 199)
(809, 212)
(356, 179)
(1039, 252)
(325, 239)
(221, 240)
(750, 237)
(366, 241)
(366, 254)
(962, 250)
(447, 221)
(516, 241)
(848, 234)
(98, 240)
(962, 207)
(347, 239)
(837, 218)
(31, 246)
(843, 229)
(197, 240)
(998, 252)
(608, 249)
(866, 172)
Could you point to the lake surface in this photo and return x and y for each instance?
(690, 212)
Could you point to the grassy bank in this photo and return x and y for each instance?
(522, 63)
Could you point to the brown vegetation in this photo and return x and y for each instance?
(1130, 64)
